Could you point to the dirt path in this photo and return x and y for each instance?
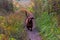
(33, 35)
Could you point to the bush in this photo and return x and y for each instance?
(47, 26)
(13, 25)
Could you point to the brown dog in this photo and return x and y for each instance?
(29, 23)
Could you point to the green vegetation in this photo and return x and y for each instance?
(47, 26)
(46, 15)
(12, 27)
